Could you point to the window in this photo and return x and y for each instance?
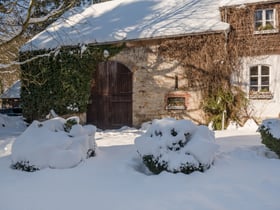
(176, 103)
(176, 100)
(265, 20)
(259, 82)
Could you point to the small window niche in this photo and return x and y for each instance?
(176, 100)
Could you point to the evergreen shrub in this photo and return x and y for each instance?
(176, 146)
(69, 123)
(156, 166)
(268, 139)
(50, 144)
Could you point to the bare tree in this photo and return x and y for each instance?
(22, 19)
(26, 17)
(19, 21)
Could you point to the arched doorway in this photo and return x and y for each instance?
(111, 96)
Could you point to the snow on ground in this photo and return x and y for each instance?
(245, 175)
(10, 127)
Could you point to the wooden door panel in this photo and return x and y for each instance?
(102, 80)
(111, 96)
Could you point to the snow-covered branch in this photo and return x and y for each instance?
(16, 24)
(20, 29)
(46, 17)
(13, 63)
(22, 19)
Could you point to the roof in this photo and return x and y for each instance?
(120, 20)
(241, 2)
(13, 91)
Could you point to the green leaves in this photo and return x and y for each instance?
(61, 81)
(224, 103)
(269, 141)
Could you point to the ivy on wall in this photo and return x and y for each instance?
(60, 81)
(209, 64)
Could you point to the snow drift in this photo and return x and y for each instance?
(55, 143)
(11, 122)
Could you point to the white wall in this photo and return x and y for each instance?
(262, 109)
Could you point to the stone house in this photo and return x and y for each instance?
(255, 35)
(171, 48)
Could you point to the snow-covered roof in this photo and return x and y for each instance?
(241, 2)
(13, 91)
(119, 20)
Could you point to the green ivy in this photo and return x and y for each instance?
(224, 102)
(69, 123)
(60, 81)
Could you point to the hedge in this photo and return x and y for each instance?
(60, 81)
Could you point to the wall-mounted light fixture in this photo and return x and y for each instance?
(106, 53)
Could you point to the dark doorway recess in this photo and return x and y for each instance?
(110, 104)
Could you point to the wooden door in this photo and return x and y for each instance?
(111, 96)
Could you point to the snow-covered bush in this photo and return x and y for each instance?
(270, 133)
(176, 146)
(50, 144)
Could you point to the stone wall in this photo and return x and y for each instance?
(154, 77)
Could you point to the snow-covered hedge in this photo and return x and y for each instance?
(270, 133)
(54, 143)
(176, 146)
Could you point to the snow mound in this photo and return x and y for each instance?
(249, 125)
(176, 146)
(11, 122)
(48, 144)
(232, 126)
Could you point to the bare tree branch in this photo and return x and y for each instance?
(19, 21)
(17, 28)
(24, 25)
(13, 63)
(9, 7)
(45, 18)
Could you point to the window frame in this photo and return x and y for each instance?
(264, 21)
(258, 77)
